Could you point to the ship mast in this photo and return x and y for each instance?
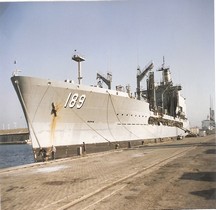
(78, 59)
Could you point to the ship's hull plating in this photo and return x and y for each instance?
(65, 114)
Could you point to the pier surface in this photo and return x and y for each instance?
(172, 175)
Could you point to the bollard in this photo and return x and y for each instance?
(79, 151)
(142, 142)
(129, 144)
(84, 148)
(66, 152)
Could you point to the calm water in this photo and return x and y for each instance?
(15, 155)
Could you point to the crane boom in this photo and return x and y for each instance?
(141, 75)
(107, 81)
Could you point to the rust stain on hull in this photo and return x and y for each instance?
(54, 121)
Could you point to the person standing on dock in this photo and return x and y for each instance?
(53, 152)
(84, 148)
(42, 153)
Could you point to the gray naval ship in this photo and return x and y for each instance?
(63, 116)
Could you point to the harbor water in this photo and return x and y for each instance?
(15, 155)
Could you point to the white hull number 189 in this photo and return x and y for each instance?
(75, 100)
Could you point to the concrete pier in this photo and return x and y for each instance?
(178, 174)
(14, 136)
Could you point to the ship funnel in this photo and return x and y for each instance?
(166, 75)
(78, 59)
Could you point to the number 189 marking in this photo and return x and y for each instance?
(75, 100)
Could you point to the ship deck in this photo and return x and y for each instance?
(177, 174)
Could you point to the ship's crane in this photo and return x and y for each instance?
(107, 80)
(141, 75)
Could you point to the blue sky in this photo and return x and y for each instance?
(114, 36)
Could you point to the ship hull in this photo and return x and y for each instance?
(65, 115)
